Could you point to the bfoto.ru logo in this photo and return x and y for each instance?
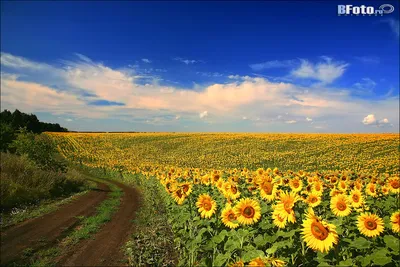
(362, 10)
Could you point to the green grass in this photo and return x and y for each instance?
(23, 183)
(92, 224)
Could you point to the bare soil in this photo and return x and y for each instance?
(38, 232)
(104, 249)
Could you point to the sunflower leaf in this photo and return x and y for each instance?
(393, 243)
(380, 257)
(249, 255)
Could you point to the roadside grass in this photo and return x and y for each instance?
(24, 183)
(152, 241)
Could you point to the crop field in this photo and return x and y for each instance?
(263, 199)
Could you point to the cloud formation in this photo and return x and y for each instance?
(89, 89)
(273, 64)
(325, 72)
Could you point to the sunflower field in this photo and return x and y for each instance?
(264, 199)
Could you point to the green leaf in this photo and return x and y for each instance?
(366, 260)
(270, 238)
(360, 243)
(393, 243)
(252, 254)
(265, 225)
(346, 263)
(231, 245)
(380, 257)
(260, 241)
(277, 245)
(221, 259)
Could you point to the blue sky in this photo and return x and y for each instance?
(201, 66)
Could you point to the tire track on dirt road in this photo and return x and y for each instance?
(38, 232)
(104, 248)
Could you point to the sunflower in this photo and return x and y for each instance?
(220, 183)
(317, 188)
(318, 234)
(228, 217)
(285, 206)
(257, 262)
(395, 220)
(275, 262)
(247, 211)
(179, 196)
(342, 186)
(356, 198)
(313, 200)
(186, 188)
(371, 190)
(278, 220)
(239, 263)
(340, 205)
(370, 224)
(267, 190)
(207, 206)
(385, 190)
(205, 179)
(296, 184)
(358, 185)
(394, 184)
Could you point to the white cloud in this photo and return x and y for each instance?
(177, 117)
(68, 119)
(187, 61)
(370, 119)
(291, 121)
(308, 119)
(326, 72)
(83, 81)
(145, 60)
(368, 59)
(203, 114)
(273, 64)
(12, 61)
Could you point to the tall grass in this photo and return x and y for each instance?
(23, 183)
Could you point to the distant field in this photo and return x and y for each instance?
(310, 152)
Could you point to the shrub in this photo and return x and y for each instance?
(22, 182)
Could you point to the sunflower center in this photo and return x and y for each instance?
(355, 198)
(185, 188)
(370, 224)
(341, 206)
(249, 212)
(288, 207)
(207, 206)
(231, 216)
(179, 193)
(319, 231)
(333, 180)
(317, 187)
(395, 184)
(267, 188)
(295, 184)
(313, 199)
(233, 189)
(343, 185)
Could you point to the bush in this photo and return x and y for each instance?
(41, 149)
(22, 182)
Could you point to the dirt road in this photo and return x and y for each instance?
(102, 249)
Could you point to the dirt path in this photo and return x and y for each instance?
(104, 248)
(36, 233)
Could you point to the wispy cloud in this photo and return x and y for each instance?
(273, 64)
(145, 60)
(187, 61)
(394, 25)
(325, 72)
(368, 59)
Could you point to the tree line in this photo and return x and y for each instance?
(12, 122)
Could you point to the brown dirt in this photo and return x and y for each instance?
(41, 231)
(104, 249)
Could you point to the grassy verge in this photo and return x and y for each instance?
(152, 242)
(23, 183)
(86, 229)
